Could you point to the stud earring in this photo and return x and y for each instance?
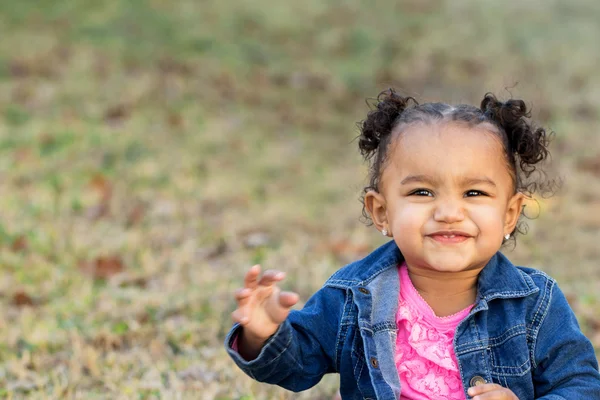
(507, 236)
(384, 232)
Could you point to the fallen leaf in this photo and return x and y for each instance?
(103, 267)
(175, 120)
(21, 298)
(108, 341)
(143, 318)
(19, 244)
(117, 114)
(102, 185)
(135, 215)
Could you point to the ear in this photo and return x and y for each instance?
(376, 206)
(515, 206)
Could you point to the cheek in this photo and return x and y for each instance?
(489, 219)
(410, 218)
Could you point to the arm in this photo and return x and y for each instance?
(565, 363)
(302, 349)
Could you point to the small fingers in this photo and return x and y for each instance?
(288, 299)
(495, 395)
(486, 387)
(270, 277)
(489, 391)
(242, 293)
(240, 317)
(251, 278)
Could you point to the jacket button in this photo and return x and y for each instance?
(476, 381)
(363, 290)
(374, 362)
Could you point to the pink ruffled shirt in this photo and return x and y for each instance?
(425, 357)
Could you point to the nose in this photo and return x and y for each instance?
(448, 211)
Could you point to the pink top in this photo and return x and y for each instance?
(425, 357)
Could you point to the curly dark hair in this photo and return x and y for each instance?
(525, 145)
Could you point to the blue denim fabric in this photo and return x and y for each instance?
(521, 334)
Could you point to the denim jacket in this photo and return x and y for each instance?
(520, 334)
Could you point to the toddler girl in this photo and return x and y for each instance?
(438, 312)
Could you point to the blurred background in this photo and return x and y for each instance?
(152, 150)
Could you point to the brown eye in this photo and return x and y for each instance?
(475, 193)
(422, 192)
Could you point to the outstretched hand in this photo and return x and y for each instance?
(261, 308)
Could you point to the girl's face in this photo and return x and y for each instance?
(446, 196)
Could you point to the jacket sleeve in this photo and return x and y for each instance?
(565, 363)
(304, 347)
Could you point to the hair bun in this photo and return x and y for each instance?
(506, 114)
(524, 139)
(380, 120)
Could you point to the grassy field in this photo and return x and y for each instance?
(151, 151)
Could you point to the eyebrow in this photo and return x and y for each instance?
(418, 179)
(479, 181)
(431, 180)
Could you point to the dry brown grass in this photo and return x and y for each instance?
(151, 151)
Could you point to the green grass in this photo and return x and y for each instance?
(165, 137)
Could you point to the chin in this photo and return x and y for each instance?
(447, 264)
(449, 267)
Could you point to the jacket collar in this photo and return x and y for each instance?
(499, 279)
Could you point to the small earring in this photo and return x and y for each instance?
(507, 236)
(384, 232)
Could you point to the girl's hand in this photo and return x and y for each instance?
(262, 307)
(491, 391)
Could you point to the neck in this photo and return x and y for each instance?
(443, 284)
(445, 292)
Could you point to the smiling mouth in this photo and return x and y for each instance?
(449, 239)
